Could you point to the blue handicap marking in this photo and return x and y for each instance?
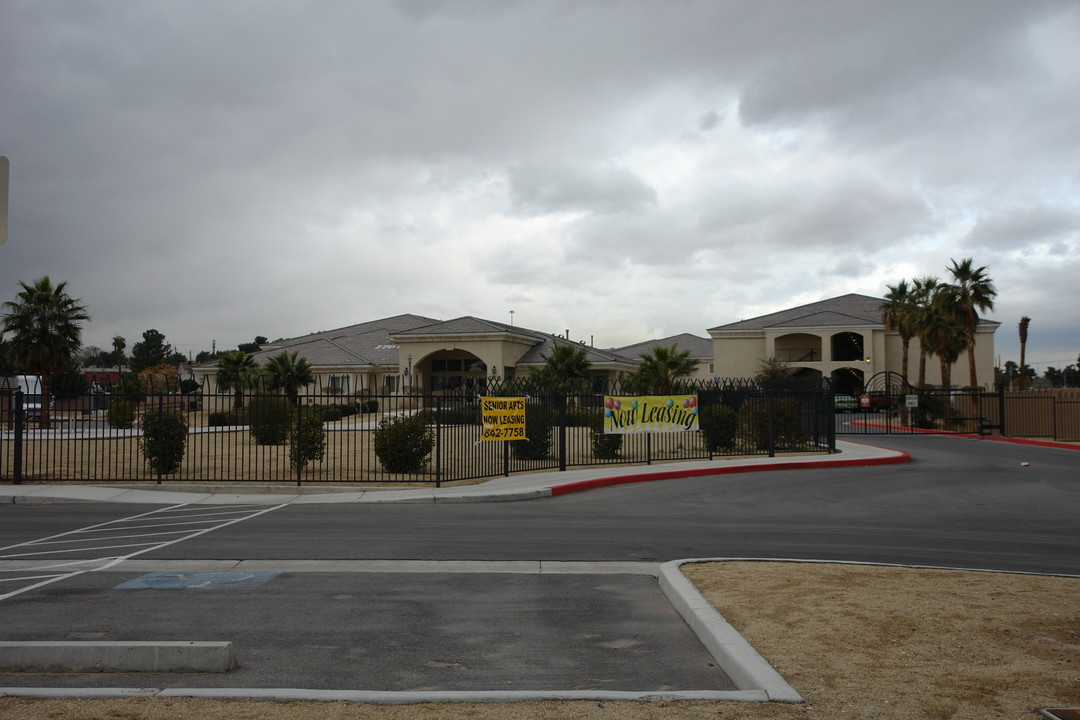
(196, 580)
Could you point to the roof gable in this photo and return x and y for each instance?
(851, 309)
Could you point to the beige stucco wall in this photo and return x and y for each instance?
(740, 355)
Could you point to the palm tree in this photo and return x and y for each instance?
(942, 328)
(922, 290)
(118, 345)
(566, 363)
(44, 324)
(662, 368)
(285, 372)
(238, 372)
(975, 294)
(900, 311)
(1024, 323)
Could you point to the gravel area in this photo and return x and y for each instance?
(855, 641)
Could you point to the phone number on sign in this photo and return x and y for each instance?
(505, 433)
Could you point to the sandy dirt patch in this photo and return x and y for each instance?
(856, 642)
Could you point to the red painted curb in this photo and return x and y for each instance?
(975, 436)
(703, 472)
(1025, 441)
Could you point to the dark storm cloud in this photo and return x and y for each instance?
(219, 170)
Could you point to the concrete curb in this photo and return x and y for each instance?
(746, 668)
(117, 657)
(376, 697)
(898, 458)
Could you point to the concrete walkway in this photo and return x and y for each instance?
(503, 489)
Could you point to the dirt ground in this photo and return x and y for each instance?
(857, 642)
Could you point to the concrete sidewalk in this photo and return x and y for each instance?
(503, 489)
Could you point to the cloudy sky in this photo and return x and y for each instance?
(621, 170)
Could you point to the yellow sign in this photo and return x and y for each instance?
(650, 413)
(503, 418)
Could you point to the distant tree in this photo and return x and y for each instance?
(942, 328)
(90, 355)
(70, 383)
(118, 345)
(771, 370)
(160, 379)
(7, 367)
(923, 289)
(1023, 328)
(974, 293)
(254, 346)
(566, 364)
(44, 324)
(152, 350)
(237, 372)
(658, 371)
(285, 372)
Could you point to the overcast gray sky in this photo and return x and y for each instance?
(625, 170)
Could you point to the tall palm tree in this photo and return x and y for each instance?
(1024, 323)
(566, 364)
(900, 311)
(118, 345)
(285, 372)
(238, 372)
(942, 327)
(44, 324)
(975, 294)
(663, 367)
(923, 290)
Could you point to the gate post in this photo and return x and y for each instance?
(560, 403)
(438, 441)
(17, 475)
(161, 435)
(1001, 408)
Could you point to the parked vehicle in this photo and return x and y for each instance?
(845, 403)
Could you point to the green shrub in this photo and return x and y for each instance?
(539, 422)
(403, 443)
(331, 413)
(459, 413)
(720, 427)
(121, 414)
(130, 387)
(369, 406)
(930, 411)
(754, 422)
(269, 419)
(164, 438)
(307, 443)
(605, 446)
(229, 418)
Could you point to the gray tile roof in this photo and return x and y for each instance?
(851, 309)
(595, 356)
(469, 325)
(700, 348)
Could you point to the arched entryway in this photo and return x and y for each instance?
(848, 381)
(448, 371)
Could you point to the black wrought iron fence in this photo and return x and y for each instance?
(410, 436)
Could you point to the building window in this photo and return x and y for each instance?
(338, 385)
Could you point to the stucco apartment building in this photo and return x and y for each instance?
(841, 338)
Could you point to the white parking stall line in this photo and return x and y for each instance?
(85, 535)
(80, 530)
(156, 525)
(93, 548)
(111, 537)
